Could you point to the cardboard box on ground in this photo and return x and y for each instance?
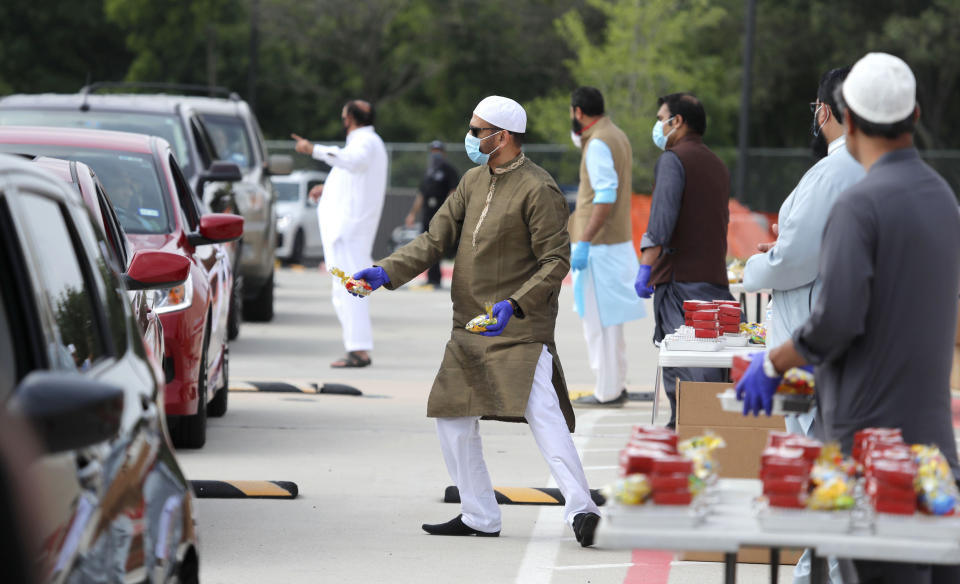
(698, 410)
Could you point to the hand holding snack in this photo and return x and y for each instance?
(501, 313)
(479, 323)
(363, 282)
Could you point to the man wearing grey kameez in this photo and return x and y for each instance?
(882, 352)
(514, 251)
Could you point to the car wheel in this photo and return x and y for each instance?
(191, 431)
(236, 308)
(296, 253)
(261, 309)
(218, 405)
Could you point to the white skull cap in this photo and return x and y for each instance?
(881, 88)
(502, 112)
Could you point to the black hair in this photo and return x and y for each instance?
(588, 99)
(688, 106)
(890, 131)
(361, 116)
(829, 83)
(518, 137)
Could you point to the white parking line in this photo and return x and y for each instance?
(593, 566)
(540, 557)
(602, 467)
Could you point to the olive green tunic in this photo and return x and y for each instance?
(519, 248)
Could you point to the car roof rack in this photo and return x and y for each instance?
(212, 91)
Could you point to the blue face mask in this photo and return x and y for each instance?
(472, 145)
(658, 138)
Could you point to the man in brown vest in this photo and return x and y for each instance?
(603, 258)
(685, 246)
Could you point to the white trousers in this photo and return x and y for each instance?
(606, 347)
(463, 453)
(352, 312)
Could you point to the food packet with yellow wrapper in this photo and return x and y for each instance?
(359, 287)
(479, 323)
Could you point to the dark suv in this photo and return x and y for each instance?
(72, 363)
(180, 124)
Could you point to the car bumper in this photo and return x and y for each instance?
(182, 358)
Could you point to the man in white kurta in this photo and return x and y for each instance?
(349, 209)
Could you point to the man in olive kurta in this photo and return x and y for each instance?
(510, 219)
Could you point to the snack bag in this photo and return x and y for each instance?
(479, 323)
(353, 286)
(832, 480)
(937, 490)
(757, 332)
(633, 489)
(700, 449)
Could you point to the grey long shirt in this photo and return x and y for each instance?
(882, 330)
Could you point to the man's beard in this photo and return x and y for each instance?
(819, 146)
(576, 125)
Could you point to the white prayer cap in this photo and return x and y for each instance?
(881, 88)
(502, 112)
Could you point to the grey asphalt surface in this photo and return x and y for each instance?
(369, 468)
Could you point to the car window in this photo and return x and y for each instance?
(114, 233)
(204, 146)
(130, 181)
(72, 301)
(167, 126)
(287, 191)
(230, 139)
(110, 295)
(189, 204)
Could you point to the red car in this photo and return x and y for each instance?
(159, 211)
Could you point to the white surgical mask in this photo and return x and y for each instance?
(658, 138)
(577, 141)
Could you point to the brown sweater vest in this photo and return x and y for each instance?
(697, 250)
(617, 228)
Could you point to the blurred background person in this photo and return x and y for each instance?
(350, 204)
(438, 182)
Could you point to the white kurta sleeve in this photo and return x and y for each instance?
(353, 157)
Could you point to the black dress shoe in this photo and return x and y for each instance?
(456, 526)
(584, 526)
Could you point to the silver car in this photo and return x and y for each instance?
(298, 229)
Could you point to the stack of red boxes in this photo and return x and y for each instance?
(711, 319)
(890, 470)
(653, 451)
(704, 317)
(785, 469)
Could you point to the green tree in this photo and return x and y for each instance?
(647, 49)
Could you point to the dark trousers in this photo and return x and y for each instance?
(894, 573)
(668, 311)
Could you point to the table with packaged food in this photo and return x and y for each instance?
(890, 501)
(712, 336)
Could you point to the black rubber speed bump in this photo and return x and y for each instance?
(287, 387)
(245, 489)
(524, 496)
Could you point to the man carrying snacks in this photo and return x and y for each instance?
(510, 219)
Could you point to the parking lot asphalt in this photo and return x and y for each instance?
(369, 469)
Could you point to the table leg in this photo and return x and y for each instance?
(774, 565)
(730, 568)
(656, 396)
(818, 569)
(760, 308)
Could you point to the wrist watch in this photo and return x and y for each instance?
(768, 369)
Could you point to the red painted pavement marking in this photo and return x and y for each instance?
(649, 567)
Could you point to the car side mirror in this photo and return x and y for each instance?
(217, 228)
(68, 410)
(219, 171)
(279, 164)
(154, 269)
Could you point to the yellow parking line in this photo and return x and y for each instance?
(525, 495)
(260, 489)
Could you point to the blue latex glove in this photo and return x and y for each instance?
(755, 388)
(581, 251)
(375, 276)
(643, 289)
(502, 311)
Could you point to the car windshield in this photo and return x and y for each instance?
(287, 191)
(167, 127)
(129, 179)
(230, 138)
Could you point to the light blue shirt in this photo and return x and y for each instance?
(612, 268)
(790, 267)
(603, 176)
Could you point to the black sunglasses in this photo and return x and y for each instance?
(475, 131)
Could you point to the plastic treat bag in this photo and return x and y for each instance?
(479, 323)
(633, 489)
(797, 381)
(700, 449)
(935, 485)
(756, 331)
(832, 480)
(353, 286)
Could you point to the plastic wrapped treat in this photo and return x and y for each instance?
(632, 489)
(935, 485)
(359, 287)
(479, 323)
(701, 450)
(757, 332)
